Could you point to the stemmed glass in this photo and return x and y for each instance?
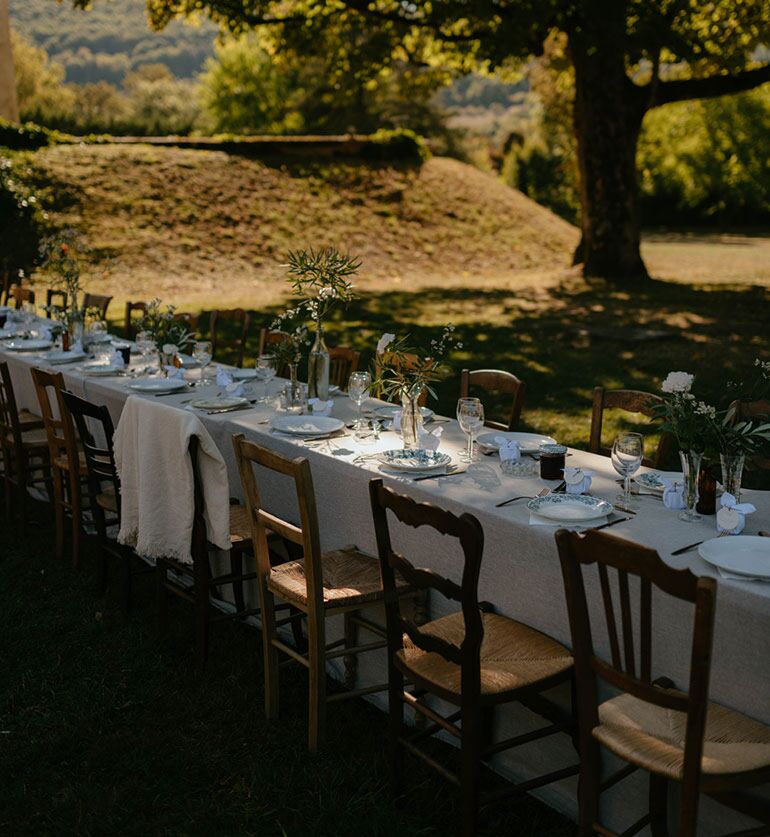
(202, 353)
(146, 346)
(358, 388)
(266, 370)
(470, 415)
(627, 454)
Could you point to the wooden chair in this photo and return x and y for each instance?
(98, 302)
(473, 659)
(269, 339)
(754, 410)
(68, 465)
(204, 583)
(343, 363)
(24, 449)
(20, 294)
(130, 327)
(6, 281)
(190, 320)
(235, 319)
(496, 381)
(55, 299)
(319, 585)
(632, 401)
(411, 361)
(675, 736)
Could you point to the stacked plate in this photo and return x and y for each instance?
(223, 404)
(102, 370)
(57, 357)
(307, 426)
(158, 385)
(28, 345)
(570, 508)
(388, 411)
(528, 442)
(745, 557)
(418, 461)
(651, 481)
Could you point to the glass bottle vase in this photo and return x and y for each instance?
(691, 461)
(411, 421)
(318, 367)
(732, 473)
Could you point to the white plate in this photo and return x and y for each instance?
(28, 345)
(224, 403)
(159, 385)
(388, 411)
(187, 361)
(307, 425)
(55, 358)
(244, 374)
(739, 554)
(414, 460)
(651, 480)
(530, 442)
(100, 370)
(570, 508)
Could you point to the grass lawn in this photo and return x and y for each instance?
(106, 730)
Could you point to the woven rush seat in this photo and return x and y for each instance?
(34, 439)
(654, 736)
(26, 417)
(240, 524)
(108, 501)
(513, 655)
(349, 577)
(62, 461)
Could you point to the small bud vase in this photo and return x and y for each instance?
(691, 469)
(318, 367)
(411, 421)
(732, 473)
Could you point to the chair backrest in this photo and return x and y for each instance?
(467, 530)
(237, 319)
(628, 560)
(496, 381)
(305, 535)
(190, 320)
(21, 294)
(130, 327)
(267, 339)
(97, 448)
(753, 410)
(343, 362)
(410, 361)
(631, 401)
(56, 418)
(10, 429)
(55, 298)
(97, 301)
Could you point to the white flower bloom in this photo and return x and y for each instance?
(678, 382)
(384, 342)
(705, 410)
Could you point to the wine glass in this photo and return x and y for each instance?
(470, 415)
(146, 346)
(627, 454)
(202, 354)
(266, 371)
(358, 389)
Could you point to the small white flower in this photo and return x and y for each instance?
(384, 342)
(170, 349)
(678, 382)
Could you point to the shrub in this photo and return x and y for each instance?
(26, 137)
(23, 221)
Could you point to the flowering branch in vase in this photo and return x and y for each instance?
(164, 327)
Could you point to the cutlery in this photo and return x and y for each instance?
(542, 493)
(625, 508)
(604, 525)
(452, 473)
(174, 392)
(690, 546)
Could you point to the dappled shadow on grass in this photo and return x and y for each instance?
(106, 730)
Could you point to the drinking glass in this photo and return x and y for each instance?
(358, 389)
(470, 415)
(145, 346)
(28, 313)
(266, 367)
(202, 353)
(627, 454)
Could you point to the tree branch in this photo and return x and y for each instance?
(704, 88)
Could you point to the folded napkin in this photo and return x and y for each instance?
(174, 372)
(320, 408)
(235, 389)
(509, 449)
(116, 359)
(732, 516)
(223, 377)
(431, 440)
(578, 481)
(673, 494)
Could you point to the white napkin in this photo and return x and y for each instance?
(509, 449)
(673, 494)
(578, 481)
(320, 408)
(235, 389)
(174, 372)
(223, 377)
(732, 516)
(431, 440)
(116, 360)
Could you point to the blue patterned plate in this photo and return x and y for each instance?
(570, 508)
(414, 460)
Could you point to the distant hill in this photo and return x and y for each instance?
(111, 39)
(198, 226)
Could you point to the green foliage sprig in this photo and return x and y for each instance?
(319, 280)
(161, 323)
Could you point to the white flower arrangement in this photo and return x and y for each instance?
(678, 382)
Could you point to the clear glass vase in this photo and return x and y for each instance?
(318, 367)
(411, 421)
(691, 470)
(732, 473)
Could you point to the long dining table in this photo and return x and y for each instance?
(520, 575)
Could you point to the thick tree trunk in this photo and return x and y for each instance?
(608, 114)
(9, 106)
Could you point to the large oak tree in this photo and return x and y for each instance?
(9, 105)
(628, 56)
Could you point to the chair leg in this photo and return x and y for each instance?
(588, 787)
(317, 670)
(161, 597)
(350, 661)
(269, 651)
(470, 767)
(236, 569)
(658, 806)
